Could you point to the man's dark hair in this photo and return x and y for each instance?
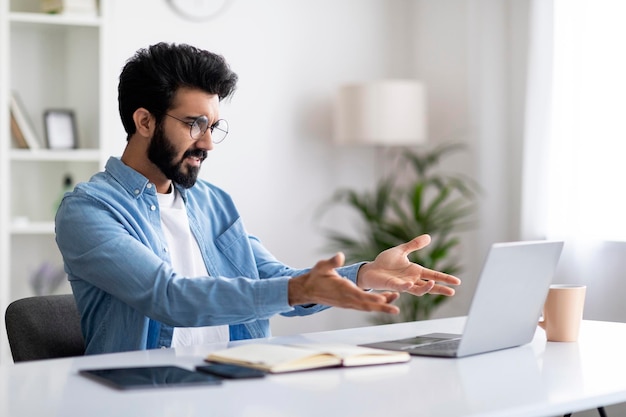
(152, 76)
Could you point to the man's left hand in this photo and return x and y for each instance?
(392, 270)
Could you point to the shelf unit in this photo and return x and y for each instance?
(51, 62)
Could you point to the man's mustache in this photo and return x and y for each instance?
(196, 153)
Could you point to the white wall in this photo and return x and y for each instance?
(278, 162)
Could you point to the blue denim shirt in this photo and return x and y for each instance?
(116, 257)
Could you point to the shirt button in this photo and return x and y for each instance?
(149, 186)
(165, 250)
(153, 207)
(136, 192)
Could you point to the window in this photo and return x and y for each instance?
(586, 172)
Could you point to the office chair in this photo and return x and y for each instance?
(44, 327)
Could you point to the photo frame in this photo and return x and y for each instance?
(60, 128)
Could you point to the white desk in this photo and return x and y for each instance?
(539, 379)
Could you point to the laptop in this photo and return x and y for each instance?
(506, 307)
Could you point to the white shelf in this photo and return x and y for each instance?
(55, 155)
(55, 19)
(50, 61)
(32, 228)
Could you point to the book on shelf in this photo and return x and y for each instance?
(276, 358)
(20, 140)
(21, 127)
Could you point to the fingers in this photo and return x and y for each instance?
(390, 296)
(414, 244)
(428, 281)
(397, 284)
(328, 265)
(431, 288)
(421, 242)
(331, 263)
(376, 303)
(443, 290)
(437, 276)
(347, 295)
(338, 259)
(423, 286)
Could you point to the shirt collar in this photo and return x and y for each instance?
(134, 182)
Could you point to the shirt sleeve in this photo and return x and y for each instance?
(102, 245)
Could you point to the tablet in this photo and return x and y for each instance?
(231, 371)
(150, 377)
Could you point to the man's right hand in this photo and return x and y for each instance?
(322, 285)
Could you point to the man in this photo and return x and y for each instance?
(158, 258)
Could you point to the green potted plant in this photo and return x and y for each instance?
(423, 199)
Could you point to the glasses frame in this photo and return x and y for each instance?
(211, 127)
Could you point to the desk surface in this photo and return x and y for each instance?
(538, 379)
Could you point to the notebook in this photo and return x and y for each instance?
(506, 307)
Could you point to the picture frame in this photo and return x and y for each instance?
(60, 128)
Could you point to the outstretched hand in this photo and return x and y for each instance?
(392, 270)
(323, 285)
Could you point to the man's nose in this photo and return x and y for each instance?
(206, 141)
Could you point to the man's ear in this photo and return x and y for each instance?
(144, 122)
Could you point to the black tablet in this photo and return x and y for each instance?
(150, 377)
(231, 371)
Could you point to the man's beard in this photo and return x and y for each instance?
(162, 153)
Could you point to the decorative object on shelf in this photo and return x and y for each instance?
(382, 113)
(68, 185)
(60, 127)
(82, 7)
(21, 126)
(198, 10)
(16, 133)
(47, 278)
(423, 199)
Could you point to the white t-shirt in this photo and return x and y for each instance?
(186, 261)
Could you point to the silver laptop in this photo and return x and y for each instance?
(506, 306)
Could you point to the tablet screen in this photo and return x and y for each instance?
(150, 377)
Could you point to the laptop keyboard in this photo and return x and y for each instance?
(439, 348)
(446, 345)
(432, 344)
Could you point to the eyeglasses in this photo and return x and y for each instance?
(200, 125)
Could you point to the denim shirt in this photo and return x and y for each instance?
(118, 264)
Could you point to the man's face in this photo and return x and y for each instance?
(163, 153)
(172, 149)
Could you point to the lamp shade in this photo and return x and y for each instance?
(385, 113)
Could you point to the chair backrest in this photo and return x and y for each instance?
(44, 327)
